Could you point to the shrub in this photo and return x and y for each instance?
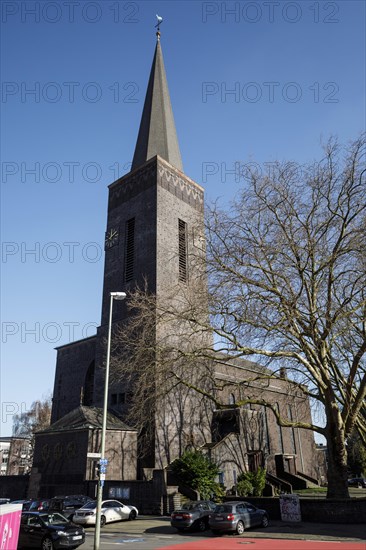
(218, 492)
(197, 471)
(244, 487)
(252, 483)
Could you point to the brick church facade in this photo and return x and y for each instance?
(153, 214)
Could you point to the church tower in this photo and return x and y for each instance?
(151, 207)
(154, 235)
(155, 213)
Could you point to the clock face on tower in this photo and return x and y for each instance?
(111, 238)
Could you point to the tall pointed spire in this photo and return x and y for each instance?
(157, 134)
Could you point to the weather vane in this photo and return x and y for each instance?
(160, 20)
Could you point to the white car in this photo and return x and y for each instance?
(112, 510)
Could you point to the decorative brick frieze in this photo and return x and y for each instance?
(132, 184)
(156, 172)
(182, 187)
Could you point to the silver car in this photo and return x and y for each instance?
(112, 510)
(236, 517)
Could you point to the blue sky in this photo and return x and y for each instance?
(250, 82)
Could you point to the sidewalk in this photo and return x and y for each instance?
(311, 531)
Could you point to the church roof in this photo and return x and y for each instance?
(83, 418)
(157, 134)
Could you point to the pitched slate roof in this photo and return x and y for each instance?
(157, 134)
(83, 418)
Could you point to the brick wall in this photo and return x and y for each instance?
(317, 510)
(14, 487)
(152, 497)
(73, 361)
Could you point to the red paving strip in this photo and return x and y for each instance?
(265, 544)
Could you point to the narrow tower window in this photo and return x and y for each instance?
(130, 249)
(89, 385)
(280, 436)
(293, 440)
(182, 232)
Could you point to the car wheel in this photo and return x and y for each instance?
(265, 521)
(239, 528)
(201, 525)
(132, 515)
(103, 521)
(47, 544)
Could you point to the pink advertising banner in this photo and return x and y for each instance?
(9, 526)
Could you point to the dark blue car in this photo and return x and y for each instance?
(49, 531)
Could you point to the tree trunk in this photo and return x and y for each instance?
(337, 459)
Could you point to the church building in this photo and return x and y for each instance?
(154, 214)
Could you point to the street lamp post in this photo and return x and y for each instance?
(113, 296)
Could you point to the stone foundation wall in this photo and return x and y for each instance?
(142, 494)
(14, 487)
(317, 510)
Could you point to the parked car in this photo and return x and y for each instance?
(192, 515)
(236, 516)
(37, 505)
(357, 482)
(67, 505)
(48, 531)
(112, 510)
(4, 500)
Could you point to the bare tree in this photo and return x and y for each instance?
(288, 283)
(37, 418)
(286, 269)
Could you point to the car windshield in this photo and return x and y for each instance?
(90, 505)
(54, 519)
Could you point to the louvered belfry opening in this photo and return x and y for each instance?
(130, 250)
(182, 232)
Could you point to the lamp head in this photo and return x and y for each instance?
(118, 295)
